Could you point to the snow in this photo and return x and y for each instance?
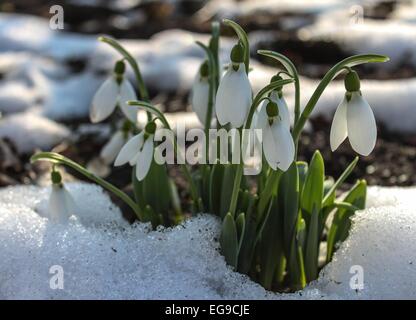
(104, 258)
(29, 131)
(394, 38)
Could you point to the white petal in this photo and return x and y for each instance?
(233, 97)
(283, 109)
(362, 129)
(199, 98)
(260, 118)
(61, 204)
(104, 101)
(144, 159)
(130, 149)
(127, 93)
(110, 151)
(339, 125)
(278, 146)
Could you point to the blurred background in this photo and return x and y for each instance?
(48, 75)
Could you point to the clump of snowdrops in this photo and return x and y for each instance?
(274, 231)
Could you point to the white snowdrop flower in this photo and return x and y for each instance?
(61, 205)
(354, 119)
(200, 93)
(138, 151)
(111, 149)
(234, 92)
(115, 91)
(278, 145)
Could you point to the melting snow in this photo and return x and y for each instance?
(104, 258)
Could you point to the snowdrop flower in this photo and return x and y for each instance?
(354, 119)
(115, 91)
(138, 151)
(278, 145)
(61, 204)
(277, 97)
(111, 149)
(200, 93)
(234, 92)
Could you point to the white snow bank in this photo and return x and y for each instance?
(102, 258)
(29, 33)
(29, 131)
(389, 37)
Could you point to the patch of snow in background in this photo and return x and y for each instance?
(103, 258)
(29, 131)
(395, 39)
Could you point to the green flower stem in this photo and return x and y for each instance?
(56, 158)
(148, 107)
(242, 35)
(212, 89)
(271, 184)
(214, 48)
(144, 94)
(330, 75)
(254, 105)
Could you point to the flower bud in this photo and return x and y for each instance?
(237, 53)
(56, 177)
(119, 67)
(352, 81)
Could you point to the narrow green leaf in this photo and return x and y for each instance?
(341, 223)
(289, 200)
(241, 228)
(216, 178)
(312, 247)
(228, 240)
(330, 195)
(312, 193)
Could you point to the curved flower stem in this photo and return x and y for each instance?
(144, 94)
(148, 107)
(329, 76)
(242, 35)
(254, 105)
(56, 158)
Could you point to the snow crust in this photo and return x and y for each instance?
(104, 258)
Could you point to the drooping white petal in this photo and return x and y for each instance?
(260, 118)
(233, 97)
(127, 93)
(339, 125)
(199, 98)
(130, 149)
(104, 101)
(283, 108)
(110, 151)
(144, 159)
(278, 146)
(61, 204)
(362, 129)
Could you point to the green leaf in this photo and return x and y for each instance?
(289, 201)
(341, 223)
(313, 188)
(227, 187)
(156, 191)
(330, 195)
(312, 247)
(216, 178)
(241, 228)
(271, 246)
(228, 240)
